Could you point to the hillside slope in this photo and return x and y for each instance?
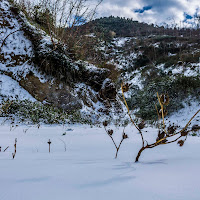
(165, 61)
(160, 60)
(29, 57)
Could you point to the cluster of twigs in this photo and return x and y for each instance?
(165, 135)
(5, 106)
(110, 134)
(61, 19)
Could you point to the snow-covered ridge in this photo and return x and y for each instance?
(17, 53)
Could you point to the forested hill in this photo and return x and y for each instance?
(125, 27)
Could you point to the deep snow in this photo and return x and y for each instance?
(87, 169)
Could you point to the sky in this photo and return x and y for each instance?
(180, 12)
(172, 12)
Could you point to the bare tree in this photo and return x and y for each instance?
(61, 17)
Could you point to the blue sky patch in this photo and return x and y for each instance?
(187, 17)
(145, 8)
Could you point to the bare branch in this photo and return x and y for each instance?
(128, 111)
(7, 37)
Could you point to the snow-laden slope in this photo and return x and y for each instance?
(87, 169)
(184, 115)
(11, 89)
(16, 54)
(16, 49)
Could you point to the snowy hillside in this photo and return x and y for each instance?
(151, 64)
(16, 52)
(25, 53)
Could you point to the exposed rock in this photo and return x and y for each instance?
(108, 90)
(51, 93)
(95, 77)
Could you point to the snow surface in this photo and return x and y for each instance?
(120, 41)
(137, 80)
(134, 78)
(87, 169)
(188, 71)
(91, 35)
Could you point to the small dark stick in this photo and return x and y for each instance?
(0, 148)
(49, 142)
(6, 148)
(15, 145)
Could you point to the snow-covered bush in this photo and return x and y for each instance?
(27, 111)
(179, 87)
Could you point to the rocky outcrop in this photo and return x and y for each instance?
(108, 90)
(56, 94)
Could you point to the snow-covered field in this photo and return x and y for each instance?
(87, 169)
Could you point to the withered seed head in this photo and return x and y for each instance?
(171, 129)
(184, 133)
(125, 136)
(110, 131)
(125, 87)
(161, 135)
(180, 143)
(141, 125)
(164, 99)
(164, 112)
(105, 123)
(195, 127)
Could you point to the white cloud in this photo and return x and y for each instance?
(161, 11)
